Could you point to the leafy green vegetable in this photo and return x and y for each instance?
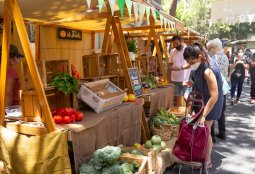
(150, 81)
(135, 164)
(65, 83)
(88, 169)
(127, 168)
(115, 169)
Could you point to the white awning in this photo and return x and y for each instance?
(233, 11)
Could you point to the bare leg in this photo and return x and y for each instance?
(210, 142)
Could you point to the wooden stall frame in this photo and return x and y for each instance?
(15, 10)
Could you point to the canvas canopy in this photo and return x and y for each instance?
(77, 13)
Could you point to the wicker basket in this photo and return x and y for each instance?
(165, 132)
(175, 130)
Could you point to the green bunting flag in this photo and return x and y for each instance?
(112, 5)
(129, 7)
(136, 7)
(141, 11)
(121, 4)
(148, 10)
(157, 14)
(100, 5)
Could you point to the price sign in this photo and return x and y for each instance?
(135, 81)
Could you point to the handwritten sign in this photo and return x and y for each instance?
(70, 34)
(135, 81)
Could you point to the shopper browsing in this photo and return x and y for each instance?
(215, 51)
(252, 73)
(208, 81)
(179, 76)
(238, 75)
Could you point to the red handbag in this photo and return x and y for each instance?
(192, 139)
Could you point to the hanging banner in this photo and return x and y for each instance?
(169, 24)
(136, 6)
(161, 20)
(112, 5)
(121, 4)
(153, 11)
(100, 5)
(141, 11)
(251, 17)
(148, 10)
(129, 7)
(88, 3)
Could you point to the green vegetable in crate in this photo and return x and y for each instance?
(115, 169)
(65, 83)
(157, 147)
(148, 144)
(163, 145)
(127, 168)
(136, 152)
(156, 140)
(105, 156)
(150, 81)
(88, 169)
(135, 164)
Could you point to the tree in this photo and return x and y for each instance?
(173, 8)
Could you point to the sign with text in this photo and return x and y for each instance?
(69, 34)
(135, 81)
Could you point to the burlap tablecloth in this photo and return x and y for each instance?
(160, 97)
(120, 125)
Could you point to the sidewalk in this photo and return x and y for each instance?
(236, 155)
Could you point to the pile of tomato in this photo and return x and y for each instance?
(66, 115)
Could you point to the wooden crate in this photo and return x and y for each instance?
(47, 70)
(141, 160)
(96, 65)
(31, 110)
(150, 153)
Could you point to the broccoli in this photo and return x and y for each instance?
(127, 168)
(115, 169)
(88, 169)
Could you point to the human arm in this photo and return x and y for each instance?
(176, 68)
(213, 92)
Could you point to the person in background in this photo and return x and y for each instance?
(179, 76)
(13, 84)
(247, 57)
(228, 56)
(207, 80)
(238, 75)
(252, 75)
(215, 50)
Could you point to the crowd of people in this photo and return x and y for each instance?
(214, 73)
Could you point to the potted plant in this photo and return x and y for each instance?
(132, 48)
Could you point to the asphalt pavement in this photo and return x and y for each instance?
(236, 154)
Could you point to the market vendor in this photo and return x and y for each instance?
(13, 84)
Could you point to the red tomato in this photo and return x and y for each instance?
(58, 119)
(72, 117)
(66, 119)
(68, 111)
(53, 112)
(79, 116)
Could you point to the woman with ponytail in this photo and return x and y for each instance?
(207, 80)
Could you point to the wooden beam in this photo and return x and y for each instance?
(159, 55)
(37, 42)
(121, 54)
(5, 59)
(148, 42)
(93, 40)
(106, 34)
(32, 65)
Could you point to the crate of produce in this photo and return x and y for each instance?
(152, 155)
(141, 160)
(101, 95)
(178, 111)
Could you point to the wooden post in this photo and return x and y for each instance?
(148, 42)
(93, 40)
(156, 42)
(31, 64)
(163, 43)
(37, 42)
(106, 34)
(110, 45)
(5, 59)
(119, 44)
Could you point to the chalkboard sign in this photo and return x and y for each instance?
(135, 81)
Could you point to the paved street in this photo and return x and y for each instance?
(236, 155)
